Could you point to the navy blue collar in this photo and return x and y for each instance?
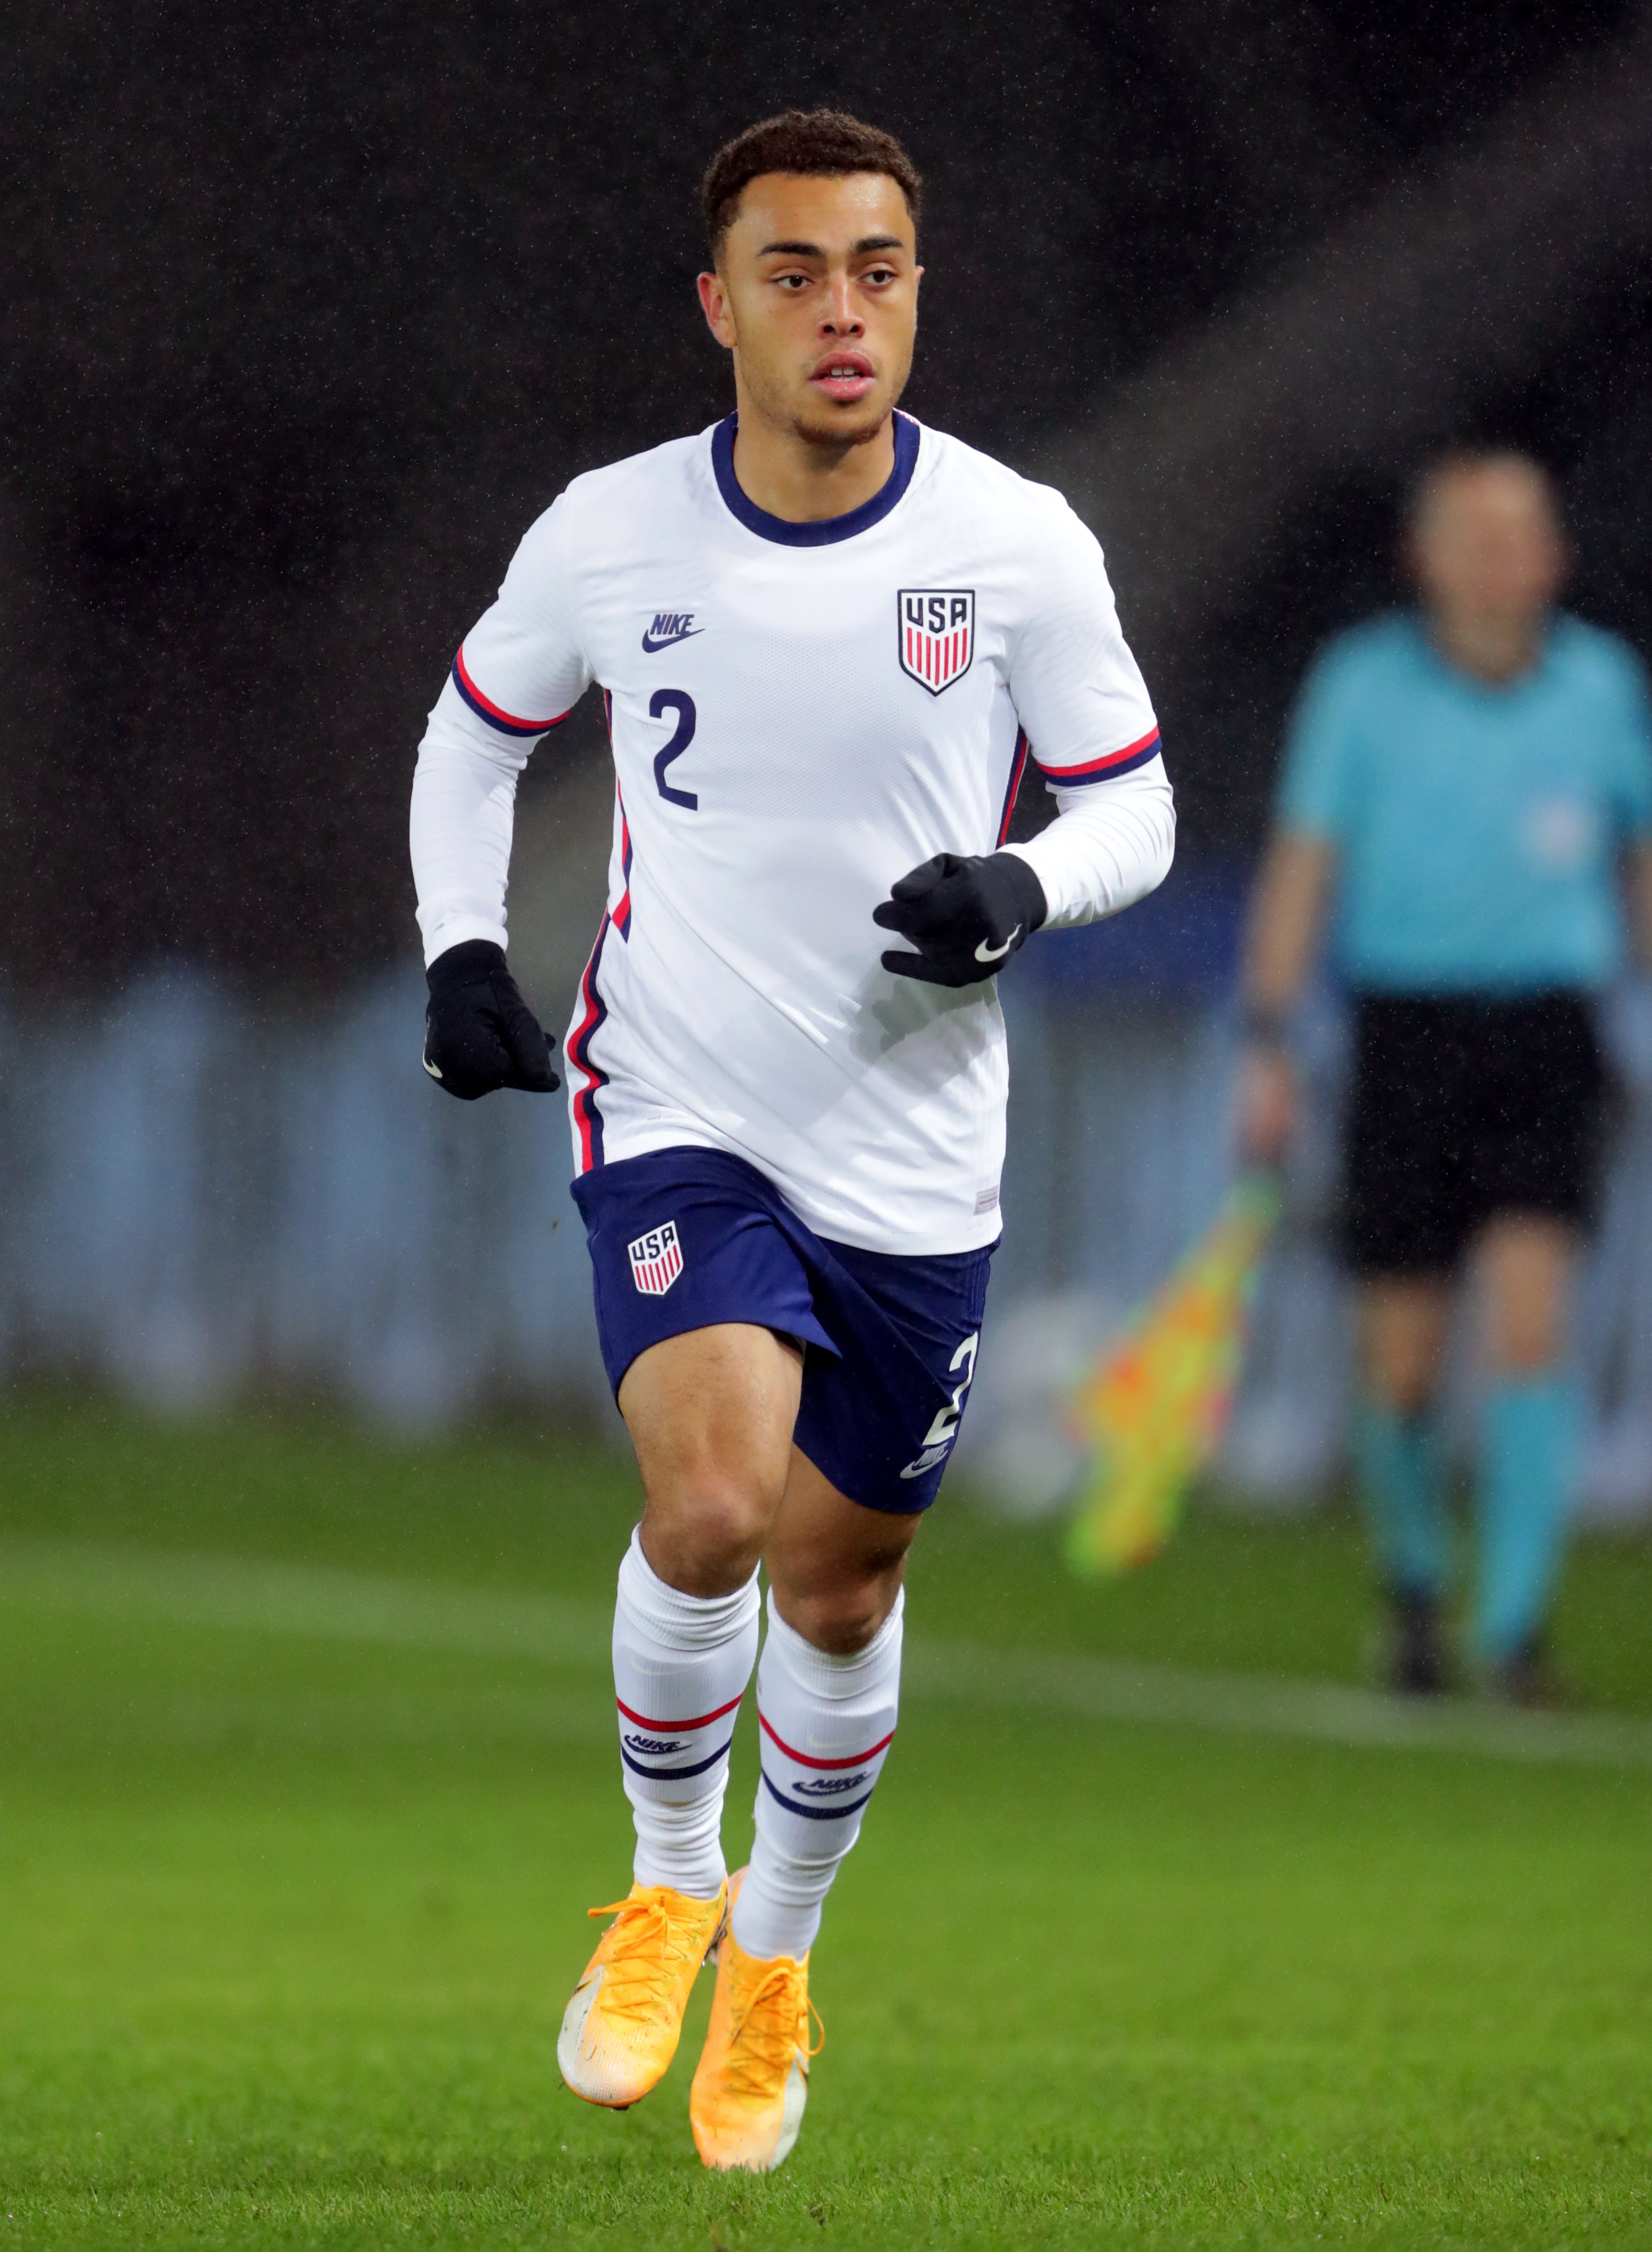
(824, 530)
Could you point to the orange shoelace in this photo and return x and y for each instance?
(764, 2029)
(646, 1949)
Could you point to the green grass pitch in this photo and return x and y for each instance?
(301, 1805)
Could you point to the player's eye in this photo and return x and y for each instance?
(879, 275)
(793, 282)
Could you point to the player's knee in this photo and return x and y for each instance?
(732, 1517)
(842, 1617)
(708, 1527)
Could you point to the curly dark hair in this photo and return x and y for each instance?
(821, 142)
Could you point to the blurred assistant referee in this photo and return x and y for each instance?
(1465, 787)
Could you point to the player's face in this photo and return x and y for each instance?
(1487, 545)
(817, 295)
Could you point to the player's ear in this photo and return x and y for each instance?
(720, 314)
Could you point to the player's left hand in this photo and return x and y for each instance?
(480, 1034)
(966, 917)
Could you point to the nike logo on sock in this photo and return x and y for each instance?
(985, 952)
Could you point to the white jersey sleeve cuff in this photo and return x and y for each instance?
(454, 931)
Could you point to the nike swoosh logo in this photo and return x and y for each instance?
(985, 952)
(650, 647)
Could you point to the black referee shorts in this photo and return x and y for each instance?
(1461, 1108)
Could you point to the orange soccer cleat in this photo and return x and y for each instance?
(751, 2082)
(621, 2030)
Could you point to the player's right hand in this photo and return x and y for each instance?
(480, 1033)
(965, 916)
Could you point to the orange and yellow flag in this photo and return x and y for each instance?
(1154, 1408)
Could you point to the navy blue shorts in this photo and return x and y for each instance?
(686, 1237)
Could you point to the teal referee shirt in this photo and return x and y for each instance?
(1477, 827)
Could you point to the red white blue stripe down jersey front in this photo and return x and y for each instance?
(800, 714)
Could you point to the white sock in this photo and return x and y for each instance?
(825, 1724)
(681, 1663)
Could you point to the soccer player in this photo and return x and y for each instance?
(827, 639)
(1465, 781)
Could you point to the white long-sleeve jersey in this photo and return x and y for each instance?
(800, 714)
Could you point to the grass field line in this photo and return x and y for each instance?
(247, 1594)
(1270, 1705)
(241, 1595)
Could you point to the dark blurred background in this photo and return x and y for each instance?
(310, 312)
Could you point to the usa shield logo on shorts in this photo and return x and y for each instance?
(937, 627)
(656, 1260)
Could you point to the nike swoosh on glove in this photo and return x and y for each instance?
(966, 917)
(480, 1033)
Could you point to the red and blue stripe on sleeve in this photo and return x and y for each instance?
(1106, 769)
(495, 714)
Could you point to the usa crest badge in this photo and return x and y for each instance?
(937, 628)
(656, 1260)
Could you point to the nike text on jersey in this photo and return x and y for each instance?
(811, 712)
(670, 627)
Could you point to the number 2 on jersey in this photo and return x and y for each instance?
(661, 701)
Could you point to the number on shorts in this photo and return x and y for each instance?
(946, 1423)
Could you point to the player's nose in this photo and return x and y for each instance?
(840, 316)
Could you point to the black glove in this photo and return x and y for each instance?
(479, 1032)
(965, 917)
